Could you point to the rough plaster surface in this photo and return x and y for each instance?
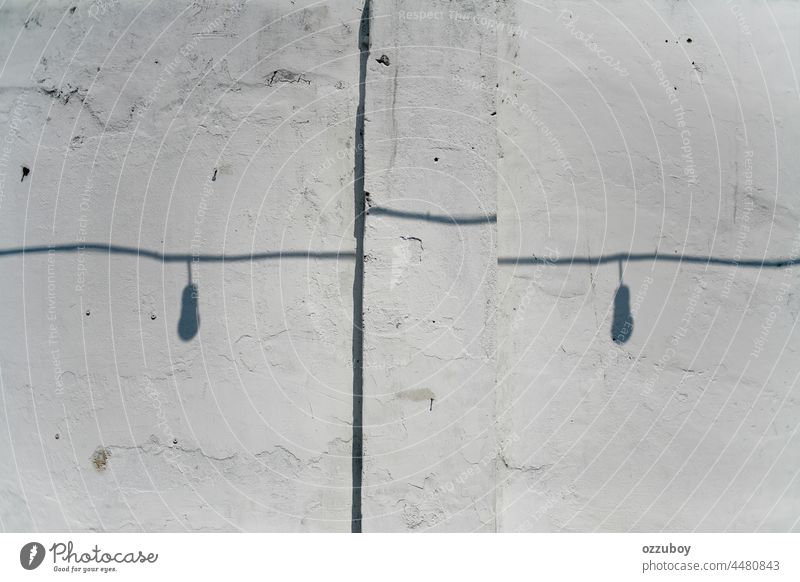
(513, 151)
(195, 129)
(430, 281)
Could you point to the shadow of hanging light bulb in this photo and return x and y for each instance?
(622, 322)
(189, 322)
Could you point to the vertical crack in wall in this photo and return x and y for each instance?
(359, 199)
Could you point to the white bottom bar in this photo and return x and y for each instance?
(389, 557)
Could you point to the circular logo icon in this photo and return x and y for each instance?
(31, 555)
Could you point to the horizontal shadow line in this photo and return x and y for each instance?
(627, 258)
(334, 255)
(175, 257)
(438, 218)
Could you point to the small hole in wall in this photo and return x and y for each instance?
(152, 316)
(88, 313)
(174, 441)
(688, 40)
(72, 10)
(58, 436)
(384, 60)
(435, 159)
(25, 171)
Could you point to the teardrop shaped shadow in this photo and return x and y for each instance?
(622, 323)
(189, 322)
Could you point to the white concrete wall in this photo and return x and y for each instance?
(430, 275)
(686, 146)
(494, 396)
(125, 112)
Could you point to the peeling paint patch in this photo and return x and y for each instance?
(418, 395)
(100, 458)
(286, 76)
